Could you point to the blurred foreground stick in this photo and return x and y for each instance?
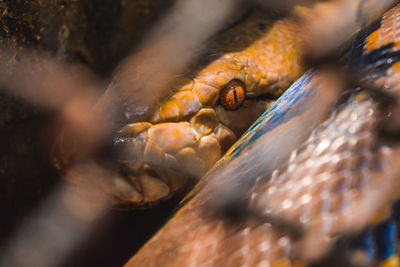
(330, 25)
(48, 237)
(61, 223)
(140, 81)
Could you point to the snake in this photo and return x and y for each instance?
(210, 106)
(341, 180)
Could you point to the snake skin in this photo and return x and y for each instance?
(183, 137)
(340, 182)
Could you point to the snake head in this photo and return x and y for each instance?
(162, 147)
(210, 106)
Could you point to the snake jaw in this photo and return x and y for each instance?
(150, 162)
(166, 156)
(142, 185)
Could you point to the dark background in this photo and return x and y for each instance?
(96, 34)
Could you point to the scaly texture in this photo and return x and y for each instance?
(337, 182)
(190, 130)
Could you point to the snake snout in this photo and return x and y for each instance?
(155, 160)
(143, 185)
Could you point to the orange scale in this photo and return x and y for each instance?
(386, 38)
(396, 45)
(371, 42)
(169, 111)
(207, 95)
(187, 102)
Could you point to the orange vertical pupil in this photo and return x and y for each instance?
(233, 94)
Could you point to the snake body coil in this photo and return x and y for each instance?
(341, 180)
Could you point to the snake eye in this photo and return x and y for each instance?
(233, 94)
